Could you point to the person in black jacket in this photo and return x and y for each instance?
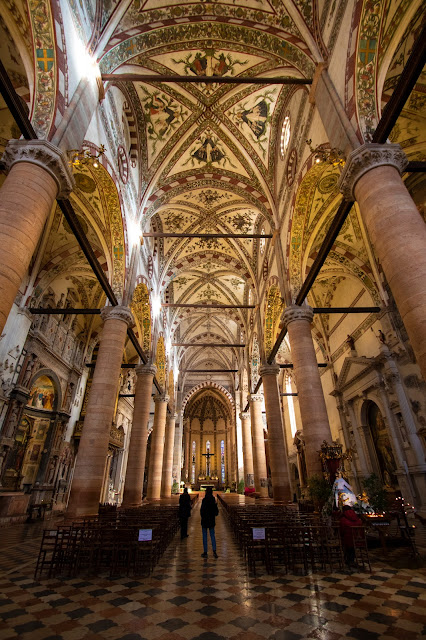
(184, 512)
(209, 511)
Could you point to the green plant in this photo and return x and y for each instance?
(241, 486)
(319, 490)
(377, 495)
(175, 487)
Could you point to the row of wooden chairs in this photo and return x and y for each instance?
(297, 543)
(108, 543)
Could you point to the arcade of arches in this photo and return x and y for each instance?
(165, 226)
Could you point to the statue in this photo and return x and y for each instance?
(342, 492)
(381, 337)
(350, 342)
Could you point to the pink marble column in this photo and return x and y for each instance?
(277, 446)
(38, 173)
(247, 449)
(93, 448)
(258, 443)
(313, 411)
(133, 487)
(166, 481)
(157, 448)
(396, 230)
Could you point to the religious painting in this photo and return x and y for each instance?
(42, 394)
(253, 117)
(210, 62)
(382, 445)
(208, 150)
(163, 115)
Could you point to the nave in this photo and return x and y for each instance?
(188, 598)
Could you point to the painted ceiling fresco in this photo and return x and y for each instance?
(210, 148)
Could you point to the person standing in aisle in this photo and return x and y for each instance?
(184, 512)
(209, 511)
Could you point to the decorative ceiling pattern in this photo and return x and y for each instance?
(209, 151)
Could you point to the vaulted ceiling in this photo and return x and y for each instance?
(209, 151)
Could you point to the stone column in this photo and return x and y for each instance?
(93, 448)
(177, 451)
(133, 487)
(277, 446)
(38, 173)
(157, 448)
(258, 444)
(166, 481)
(247, 450)
(313, 411)
(187, 452)
(396, 230)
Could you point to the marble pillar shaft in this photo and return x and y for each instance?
(313, 410)
(277, 446)
(258, 444)
(396, 230)
(133, 487)
(93, 449)
(157, 448)
(38, 173)
(166, 481)
(247, 449)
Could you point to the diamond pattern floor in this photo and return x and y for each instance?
(189, 598)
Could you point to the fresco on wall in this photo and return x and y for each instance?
(42, 394)
(382, 445)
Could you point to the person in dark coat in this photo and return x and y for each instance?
(184, 512)
(348, 520)
(209, 511)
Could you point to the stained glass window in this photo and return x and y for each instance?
(222, 460)
(193, 463)
(285, 136)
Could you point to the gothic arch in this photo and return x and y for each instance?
(206, 385)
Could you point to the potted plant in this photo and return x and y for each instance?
(319, 491)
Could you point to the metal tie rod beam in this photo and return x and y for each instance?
(69, 311)
(211, 370)
(209, 306)
(290, 366)
(289, 394)
(346, 309)
(205, 344)
(140, 77)
(123, 366)
(155, 234)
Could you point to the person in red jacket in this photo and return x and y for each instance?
(348, 520)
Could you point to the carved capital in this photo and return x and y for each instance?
(245, 416)
(118, 313)
(294, 312)
(255, 398)
(161, 398)
(366, 157)
(148, 369)
(44, 155)
(269, 370)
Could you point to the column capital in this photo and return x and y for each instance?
(161, 398)
(46, 156)
(255, 397)
(244, 415)
(366, 157)
(118, 313)
(294, 312)
(148, 369)
(269, 370)
(173, 416)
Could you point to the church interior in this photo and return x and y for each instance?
(214, 275)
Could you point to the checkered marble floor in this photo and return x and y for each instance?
(188, 597)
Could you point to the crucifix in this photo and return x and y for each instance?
(208, 456)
